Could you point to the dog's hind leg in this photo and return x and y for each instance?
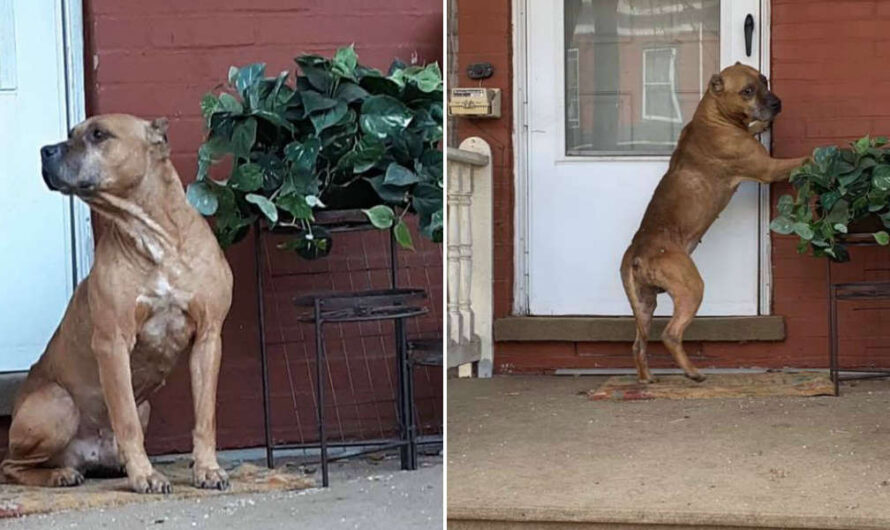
(680, 278)
(42, 427)
(642, 300)
(643, 314)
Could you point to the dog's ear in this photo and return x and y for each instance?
(716, 84)
(157, 130)
(157, 135)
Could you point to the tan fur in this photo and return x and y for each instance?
(716, 151)
(160, 287)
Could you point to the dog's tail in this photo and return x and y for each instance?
(629, 265)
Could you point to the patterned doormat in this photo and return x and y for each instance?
(16, 501)
(627, 388)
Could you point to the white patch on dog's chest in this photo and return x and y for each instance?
(168, 308)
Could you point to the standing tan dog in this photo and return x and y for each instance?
(716, 151)
(160, 286)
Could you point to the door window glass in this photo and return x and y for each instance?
(634, 72)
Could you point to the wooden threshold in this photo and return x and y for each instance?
(622, 329)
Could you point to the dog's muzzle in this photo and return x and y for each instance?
(51, 157)
(57, 173)
(773, 103)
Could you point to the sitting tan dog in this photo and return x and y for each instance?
(160, 287)
(716, 151)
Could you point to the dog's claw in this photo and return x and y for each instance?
(66, 477)
(210, 478)
(648, 381)
(154, 483)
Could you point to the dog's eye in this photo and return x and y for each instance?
(748, 92)
(97, 135)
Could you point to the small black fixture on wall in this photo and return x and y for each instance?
(480, 71)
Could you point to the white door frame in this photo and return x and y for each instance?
(71, 24)
(69, 20)
(521, 209)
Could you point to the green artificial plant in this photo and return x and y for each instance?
(342, 134)
(836, 189)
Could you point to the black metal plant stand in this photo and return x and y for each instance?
(328, 308)
(862, 290)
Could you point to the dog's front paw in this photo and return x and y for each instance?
(210, 478)
(696, 376)
(153, 482)
(648, 380)
(65, 477)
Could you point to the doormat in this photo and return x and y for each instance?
(16, 501)
(627, 388)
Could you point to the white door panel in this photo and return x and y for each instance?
(592, 176)
(36, 266)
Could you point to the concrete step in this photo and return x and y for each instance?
(481, 518)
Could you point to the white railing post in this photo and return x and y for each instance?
(470, 258)
(455, 327)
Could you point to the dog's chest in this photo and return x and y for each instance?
(166, 331)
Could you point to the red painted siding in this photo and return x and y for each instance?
(156, 59)
(485, 35)
(828, 67)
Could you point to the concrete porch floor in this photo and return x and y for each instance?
(366, 493)
(534, 452)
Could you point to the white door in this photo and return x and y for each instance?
(610, 85)
(37, 271)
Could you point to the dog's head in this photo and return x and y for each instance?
(109, 153)
(743, 95)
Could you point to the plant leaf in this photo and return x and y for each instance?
(201, 196)
(303, 155)
(296, 205)
(247, 177)
(882, 237)
(390, 194)
(274, 118)
(828, 199)
(243, 138)
(782, 225)
(403, 235)
(840, 213)
(328, 118)
(381, 216)
(825, 156)
(247, 76)
(314, 102)
(785, 205)
(431, 227)
(384, 116)
(345, 61)
(881, 177)
(317, 72)
(209, 153)
(228, 103)
(861, 145)
(368, 153)
(209, 104)
(427, 198)
(803, 230)
(398, 175)
(265, 205)
(350, 92)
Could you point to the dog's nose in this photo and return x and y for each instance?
(52, 152)
(775, 104)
